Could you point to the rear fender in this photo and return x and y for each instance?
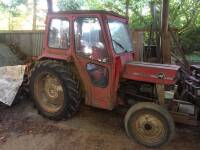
(54, 57)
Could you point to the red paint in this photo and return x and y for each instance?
(149, 72)
(119, 65)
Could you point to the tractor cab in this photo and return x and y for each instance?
(99, 43)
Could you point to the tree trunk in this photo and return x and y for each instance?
(127, 8)
(165, 37)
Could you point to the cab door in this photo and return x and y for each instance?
(93, 60)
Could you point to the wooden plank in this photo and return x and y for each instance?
(138, 39)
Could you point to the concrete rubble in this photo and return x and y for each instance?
(11, 74)
(11, 78)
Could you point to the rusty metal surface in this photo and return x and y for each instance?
(185, 119)
(30, 42)
(184, 116)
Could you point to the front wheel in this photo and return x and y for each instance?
(149, 124)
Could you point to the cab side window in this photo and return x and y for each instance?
(59, 34)
(98, 74)
(89, 39)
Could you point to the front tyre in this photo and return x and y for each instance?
(149, 124)
(54, 90)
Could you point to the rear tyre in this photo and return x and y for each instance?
(54, 90)
(149, 124)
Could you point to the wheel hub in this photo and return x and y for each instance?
(148, 128)
(49, 92)
(52, 87)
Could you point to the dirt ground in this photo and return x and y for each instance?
(22, 128)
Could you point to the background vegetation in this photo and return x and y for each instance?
(184, 15)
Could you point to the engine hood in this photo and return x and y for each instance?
(151, 72)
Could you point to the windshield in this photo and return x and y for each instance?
(120, 36)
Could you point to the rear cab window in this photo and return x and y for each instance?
(58, 35)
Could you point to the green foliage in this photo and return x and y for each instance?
(12, 6)
(69, 4)
(195, 57)
(183, 15)
(190, 40)
(117, 6)
(11, 9)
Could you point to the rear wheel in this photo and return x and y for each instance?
(55, 90)
(149, 124)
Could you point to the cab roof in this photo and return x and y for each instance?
(101, 12)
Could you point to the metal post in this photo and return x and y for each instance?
(50, 5)
(34, 15)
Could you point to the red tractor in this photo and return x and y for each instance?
(89, 55)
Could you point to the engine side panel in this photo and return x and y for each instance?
(151, 72)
